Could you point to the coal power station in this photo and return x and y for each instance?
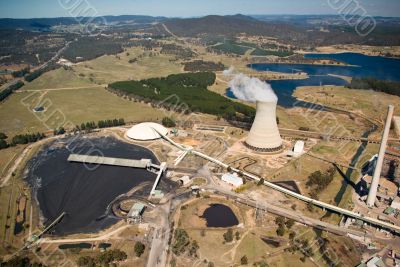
(264, 134)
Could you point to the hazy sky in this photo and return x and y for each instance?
(187, 8)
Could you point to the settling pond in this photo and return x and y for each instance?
(218, 215)
(85, 193)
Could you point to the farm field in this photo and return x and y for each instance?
(76, 106)
(149, 64)
(59, 78)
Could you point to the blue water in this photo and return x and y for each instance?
(381, 68)
(362, 66)
(284, 89)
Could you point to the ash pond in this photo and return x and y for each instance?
(218, 215)
(86, 192)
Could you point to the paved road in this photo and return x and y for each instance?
(167, 30)
(55, 56)
(13, 168)
(159, 246)
(89, 239)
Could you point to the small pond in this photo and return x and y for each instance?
(218, 215)
(76, 245)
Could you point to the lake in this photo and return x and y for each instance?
(361, 66)
(85, 194)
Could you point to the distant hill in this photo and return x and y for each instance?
(214, 25)
(303, 31)
(300, 31)
(47, 23)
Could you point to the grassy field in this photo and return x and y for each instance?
(59, 78)
(77, 106)
(212, 247)
(107, 69)
(305, 165)
(371, 104)
(8, 204)
(7, 156)
(231, 47)
(75, 95)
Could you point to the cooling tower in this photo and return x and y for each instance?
(264, 134)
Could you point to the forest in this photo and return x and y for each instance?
(20, 139)
(10, 89)
(190, 89)
(37, 73)
(200, 65)
(87, 48)
(176, 50)
(30, 48)
(388, 87)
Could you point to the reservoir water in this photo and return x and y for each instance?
(85, 193)
(361, 66)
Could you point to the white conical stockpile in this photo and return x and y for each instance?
(264, 134)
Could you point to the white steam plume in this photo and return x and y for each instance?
(251, 89)
(229, 71)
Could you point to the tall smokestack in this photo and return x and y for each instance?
(379, 162)
(264, 134)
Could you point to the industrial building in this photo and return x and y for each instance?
(395, 203)
(184, 180)
(264, 134)
(297, 150)
(135, 213)
(373, 262)
(146, 131)
(232, 179)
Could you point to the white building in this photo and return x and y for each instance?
(375, 262)
(135, 213)
(298, 148)
(64, 62)
(184, 180)
(232, 179)
(395, 203)
(146, 131)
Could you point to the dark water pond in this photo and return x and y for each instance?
(85, 193)
(104, 245)
(218, 215)
(271, 241)
(19, 226)
(77, 245)
(289, 185)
